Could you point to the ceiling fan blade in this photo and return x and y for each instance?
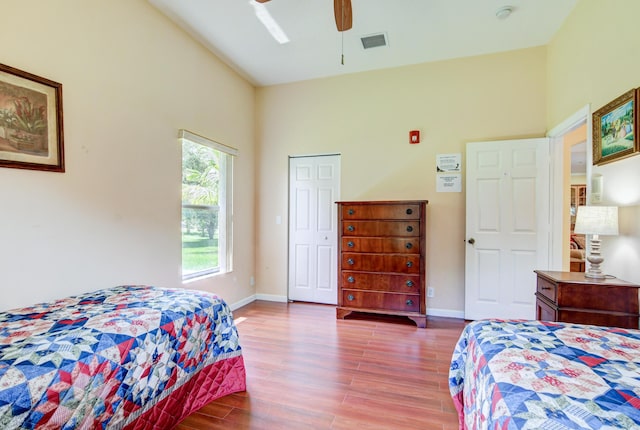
(342, 13)
(262, 1)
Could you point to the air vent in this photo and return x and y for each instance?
(374, 41)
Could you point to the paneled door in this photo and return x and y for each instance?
(507, 231)
(314, 187)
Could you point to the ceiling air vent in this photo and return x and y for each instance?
(374, 41)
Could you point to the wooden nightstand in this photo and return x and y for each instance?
(571, 297)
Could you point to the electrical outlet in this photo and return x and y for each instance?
(252, 281)
(430, 292)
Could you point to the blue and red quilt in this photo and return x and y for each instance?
(544, 375)
(135, 357)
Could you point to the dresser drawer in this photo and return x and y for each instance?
(381, 211)
(392, 245)
(381, 228)
(374, 300)
(393, 263)
(547, 289)
(409, 284)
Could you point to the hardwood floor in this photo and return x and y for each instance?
(308, 370)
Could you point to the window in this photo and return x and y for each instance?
(207, 168)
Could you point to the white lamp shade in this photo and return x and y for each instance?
(602, 220)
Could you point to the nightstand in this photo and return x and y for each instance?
(571, 297)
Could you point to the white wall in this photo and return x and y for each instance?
(130, 80)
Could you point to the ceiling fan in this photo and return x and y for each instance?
(341, 12)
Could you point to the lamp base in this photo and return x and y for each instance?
(595, 259)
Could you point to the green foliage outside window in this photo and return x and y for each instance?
(200, 193)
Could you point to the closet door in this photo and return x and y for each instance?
(314, 187)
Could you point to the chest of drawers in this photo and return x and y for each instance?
(381, 258)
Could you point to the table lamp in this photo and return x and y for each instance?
(596, 221)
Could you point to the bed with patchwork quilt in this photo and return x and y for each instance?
(129, 357)
(546, 375)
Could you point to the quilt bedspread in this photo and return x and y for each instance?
(108, 358)
(544, 375)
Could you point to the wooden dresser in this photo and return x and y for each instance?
(571, 297)
(381, 258)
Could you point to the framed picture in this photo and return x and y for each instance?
(30, 121)
(614, 129)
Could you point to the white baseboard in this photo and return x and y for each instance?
(445, 313)
(448, 313)
(253, 298)
(243, 302)
(272, 298)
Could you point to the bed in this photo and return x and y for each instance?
(545, 375)
(129, 357)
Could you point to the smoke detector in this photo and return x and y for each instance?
(504, 12)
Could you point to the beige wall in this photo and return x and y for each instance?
(594, 58)
(130, 80)
(366, 117)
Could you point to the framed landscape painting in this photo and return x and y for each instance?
(615, 129)
(30, 121)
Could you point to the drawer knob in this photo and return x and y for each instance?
(350, 244)
(409, 302)
(350, 261)
(409, 283)
(409, 211)
(546, 288)
(409, 228)
(409, 263)
(351, 211)
(351, 279)
(350, 228)
(409, 245)
(350, 297)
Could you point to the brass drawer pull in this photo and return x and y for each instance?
(351, 211)
(409, 211)
(409, 245)
(409, 302)
(409, 228)
(350, 244)
(350, 261)
(409, 283)
(351, 279)
(350, 297)
(409, 263)
(350, 228)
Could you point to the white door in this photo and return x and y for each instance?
(507, 228)
(314, 187)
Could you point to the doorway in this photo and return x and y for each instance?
(314, 187)
(577, 197)
(573, 131)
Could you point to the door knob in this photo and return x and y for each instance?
(471, 241)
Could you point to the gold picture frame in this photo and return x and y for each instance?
(615, 129)
(31, 135)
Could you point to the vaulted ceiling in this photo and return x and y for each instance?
(416, 31)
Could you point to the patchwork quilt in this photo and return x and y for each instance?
(545, 375)
(136, 357)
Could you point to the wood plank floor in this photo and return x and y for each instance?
(308, 370)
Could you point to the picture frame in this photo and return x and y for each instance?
(615, 126)
(31, 123)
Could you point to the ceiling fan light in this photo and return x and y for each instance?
(269, 23)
